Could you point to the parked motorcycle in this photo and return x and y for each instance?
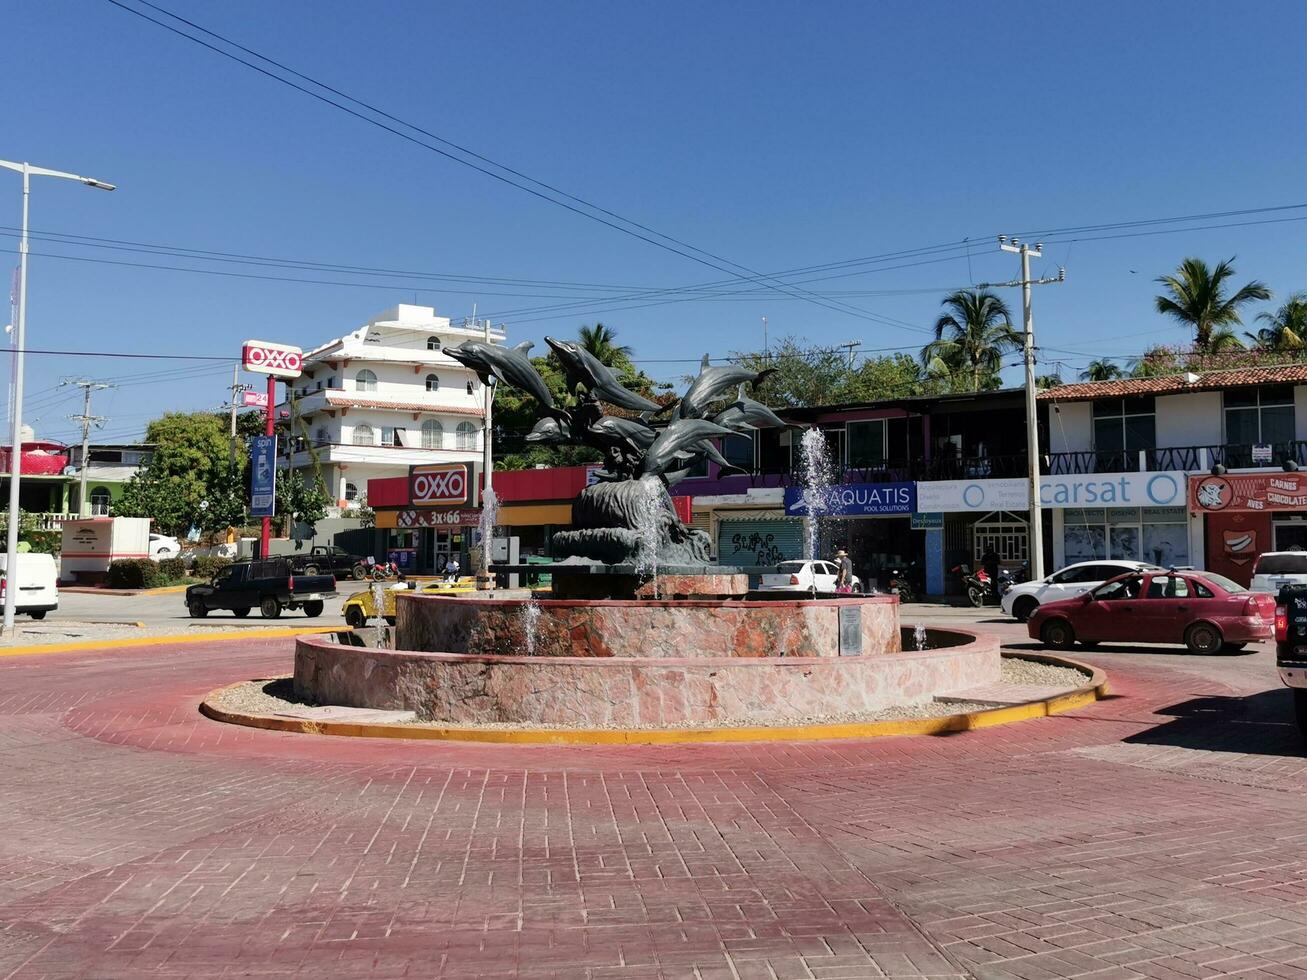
(901, 585)
(975, 585)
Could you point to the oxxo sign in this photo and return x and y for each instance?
(278, 360)
(438, 485)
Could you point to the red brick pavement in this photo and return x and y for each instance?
(1156, 834)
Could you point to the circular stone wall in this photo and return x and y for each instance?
(648, 628)
(639, 691)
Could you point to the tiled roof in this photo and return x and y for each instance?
(344, 400)
(1172, 384)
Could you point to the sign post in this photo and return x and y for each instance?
(276, 361)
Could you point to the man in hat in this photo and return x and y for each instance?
(844, 580)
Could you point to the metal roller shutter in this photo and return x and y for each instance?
(759, 542)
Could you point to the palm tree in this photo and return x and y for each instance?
(1224, 340)
(972, 337)
(1196, 296)
(1102, 370)
(1287, 326)
(601, 342)
(1048, 381)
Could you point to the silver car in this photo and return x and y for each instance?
(1022, 600)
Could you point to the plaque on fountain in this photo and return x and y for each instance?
(850, 631)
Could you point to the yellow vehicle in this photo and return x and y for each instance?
(360, 607)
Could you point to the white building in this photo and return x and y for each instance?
(384, 397)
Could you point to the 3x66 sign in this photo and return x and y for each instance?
(438, 485)
(279, 360)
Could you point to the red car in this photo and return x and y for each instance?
(1204, 611)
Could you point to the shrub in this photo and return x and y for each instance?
(207, 566)
(133, 573)
(172, 570)
(44, 542)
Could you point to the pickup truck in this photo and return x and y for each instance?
(1291, 647)
(330, 559)
(269, 584)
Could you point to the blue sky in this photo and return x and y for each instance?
(775, 135)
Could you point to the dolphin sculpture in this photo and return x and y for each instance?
(681, 435)
(711, 382)
(509, 365)
(628, 434)
(584, 369)
(550, 431)
(745, 414)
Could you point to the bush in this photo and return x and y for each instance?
(172, 570)
(44, 542)
(207, 566)
(133, 573)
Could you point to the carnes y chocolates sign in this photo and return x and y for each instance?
(1236, 492)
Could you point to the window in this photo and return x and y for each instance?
(466, 434)
(866, 442)
(1168, 587)
(738, 451)
(99, 499)
(471, 387)
(365, 380)
(433, 434)
(364, 436)
(433, 383)
(322, 435)
(1126, 588)
(1125, 426)
(1234, 588)
(433, 343)
(351, 492)
(1259, 415)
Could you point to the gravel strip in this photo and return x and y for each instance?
(1031, 672)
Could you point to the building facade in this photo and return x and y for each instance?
(383, 398)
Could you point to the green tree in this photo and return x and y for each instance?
(1200, 297)
(804, 376)
(1286, 328)
(971, 338)
(601, 341)
(191, 481)
(1102, 369)
(1048, 381)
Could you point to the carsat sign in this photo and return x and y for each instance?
(279, 360)
(439, 485)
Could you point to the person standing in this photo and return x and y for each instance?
(844, 577)
(451, 570)
(989, 562)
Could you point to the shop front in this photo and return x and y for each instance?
(1247, 514)
(428, 517)
(871, 521)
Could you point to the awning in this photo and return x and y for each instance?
(524, 515)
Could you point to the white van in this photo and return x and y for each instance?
(1276, 569)
(38, 589)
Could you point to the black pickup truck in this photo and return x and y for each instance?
(330, 560)
(1291, 647)
(270, 585)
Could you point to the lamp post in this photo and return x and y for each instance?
(20, 344)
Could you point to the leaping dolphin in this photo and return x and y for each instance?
(682, 434)
(711, 382)
(628, 434)
(745, 414)
(509, 365)
(583, 368)
(550, 431)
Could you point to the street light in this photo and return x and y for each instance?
(20, 344)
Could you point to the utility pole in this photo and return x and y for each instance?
(488, 467)
(86, 420)
(852, 347)
(1032, 419)
(237, 389)
(766, 348)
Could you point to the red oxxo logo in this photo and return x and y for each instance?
(278, 360)
(438, 484)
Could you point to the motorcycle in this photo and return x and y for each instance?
(975, 585)
(383, 570)
(900, 584)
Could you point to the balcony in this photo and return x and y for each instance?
(343, 452)
(1187, 459)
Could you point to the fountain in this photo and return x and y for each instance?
(919, 637)
(814, 457)
(640, 628)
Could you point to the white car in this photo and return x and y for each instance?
(799, 576)
(38, 587)
(162, 546)
(1022, 600)
(1275, 569)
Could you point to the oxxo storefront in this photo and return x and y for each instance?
(1242, 515)
(428, 516)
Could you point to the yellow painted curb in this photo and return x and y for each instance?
(164, 590)
(968, 721)
(153, 641)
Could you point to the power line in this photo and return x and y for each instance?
(679, 248)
